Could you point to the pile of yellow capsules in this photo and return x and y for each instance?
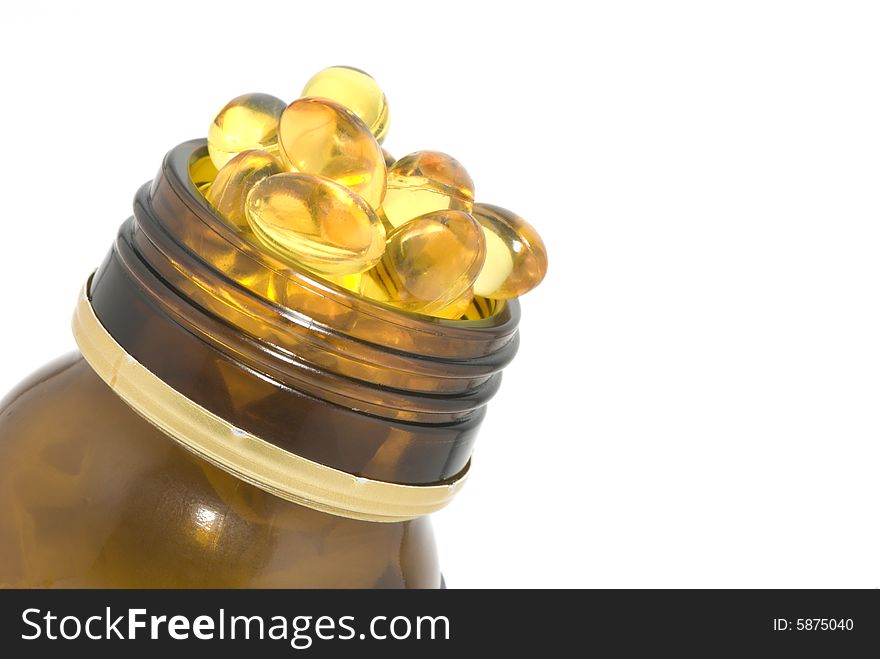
(310, 183)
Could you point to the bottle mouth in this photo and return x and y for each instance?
(287, 319)
(267, 346)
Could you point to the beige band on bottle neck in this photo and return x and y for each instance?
(242, 454)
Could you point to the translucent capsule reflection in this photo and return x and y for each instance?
(423, 182)
(233, 182)
(457, 308)
(357, 91)
(321, 137)
(350, 282)
(203, 172)
(429, 263)
(246, 122)
(516, 259)
(481, 307)
(315, 222)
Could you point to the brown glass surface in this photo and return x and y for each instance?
(91, 495)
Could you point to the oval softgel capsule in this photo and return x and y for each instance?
(318, 136)
(423, 182)
(429, 263)
(356, 90)
(516, 259)
(247, 122)
(235, 179)
(315, 222)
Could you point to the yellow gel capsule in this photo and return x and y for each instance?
(516, 259)
(356, 90)
(315, 222)
(389, 159)
(318, 136)
(429, 262)
(247, 122)
(423, 182)
(233, 182)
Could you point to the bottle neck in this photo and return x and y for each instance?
(303, 364)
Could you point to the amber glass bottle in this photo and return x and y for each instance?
(230, 421)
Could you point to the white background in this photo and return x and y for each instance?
(695, 402)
